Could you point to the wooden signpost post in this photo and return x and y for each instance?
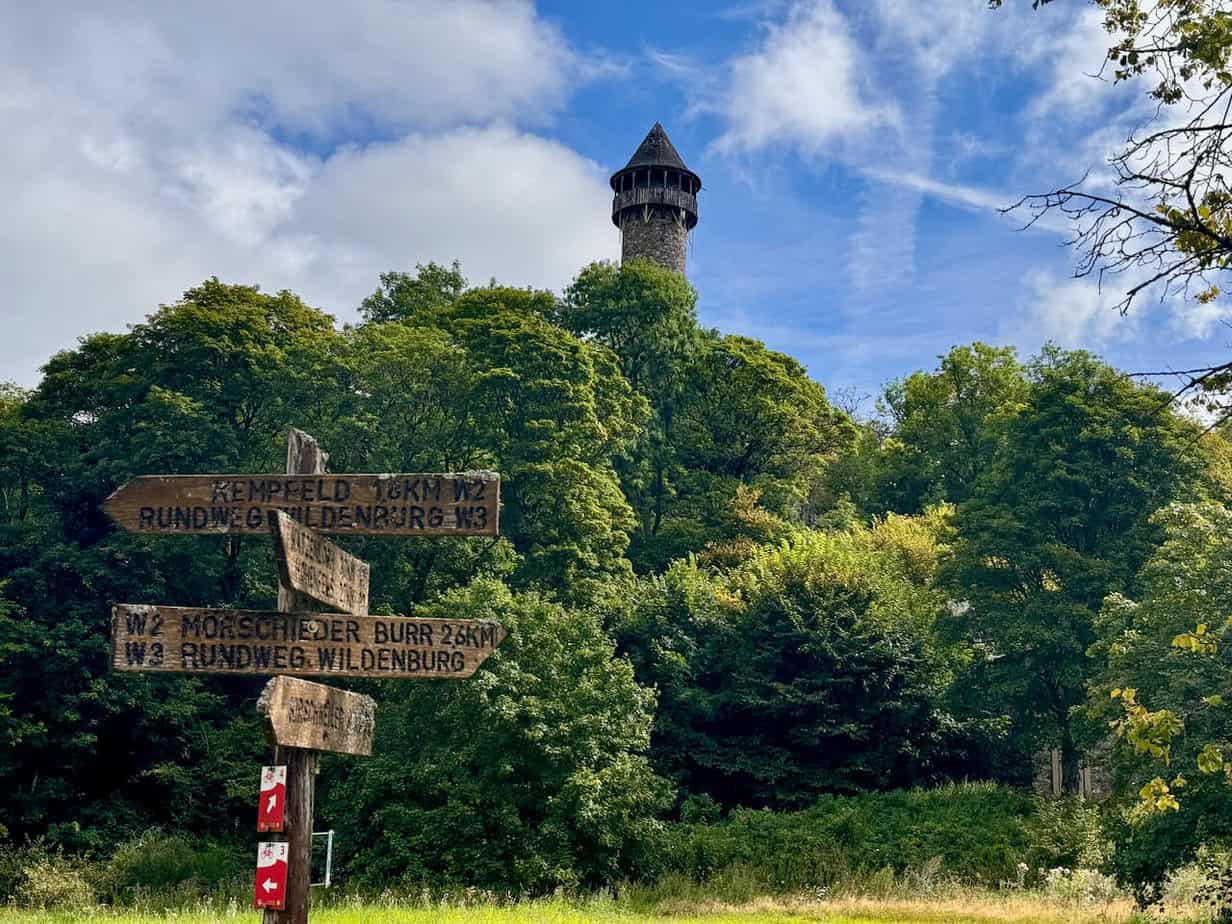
(305, 718)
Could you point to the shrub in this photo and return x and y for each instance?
(530, 776)
(1080, 885)
(814, 666)
(53, 882)
(1066, 833)
(170, 866)
(975, 833)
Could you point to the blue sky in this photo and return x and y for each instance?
(853, 156)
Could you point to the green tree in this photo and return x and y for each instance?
(529, 776)
(209, 383)
(488, 381)
(647, 317)
(1057, 521)
(401, 295)
(812, 667)
(947, 425)
(1165, 675)
(748, 419)
(645, 314)
(751, 416)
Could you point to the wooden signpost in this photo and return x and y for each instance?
(191, 640)
(310, 715)
(310, 564)
(465, 504)
(305, 718)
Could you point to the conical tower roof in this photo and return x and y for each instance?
(656, 150)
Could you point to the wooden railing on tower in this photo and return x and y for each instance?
(655, 195)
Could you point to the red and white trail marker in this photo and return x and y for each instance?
(271, 806)
(270, 886)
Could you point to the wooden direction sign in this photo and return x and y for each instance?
(191, 640)
(312, 565)
(466, 504)
(320, 718)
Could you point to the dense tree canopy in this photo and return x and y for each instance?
(1060, 519)
(947, 425)
(719, 589)
(815, 666)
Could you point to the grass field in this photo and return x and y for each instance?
(973, 909)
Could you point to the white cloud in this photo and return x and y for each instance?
(972, 197)
(1192, 320)
(804, 85)
(304, 66)
(1073, 313)
(156, 145)
(511, 205)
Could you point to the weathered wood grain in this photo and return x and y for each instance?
(310, 715)
(313, 566)
(193, 640)
(304, 457)
(462, 504)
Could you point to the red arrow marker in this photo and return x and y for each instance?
(270, 887)
(273, 801)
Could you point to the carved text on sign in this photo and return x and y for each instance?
(466, 504)
(224, 641)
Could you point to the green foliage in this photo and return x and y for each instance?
(1068, 833)
(529, 776)
(749, 420)
(726, 412)
(1163, 670)
(788, 663)
(170, 866)
(646, 315)
(401, 295)
(1059, 519)
(44, 880)
(813, 667)
(948, 425)
(488, 382)
(1165, 675)
(209, 383)
(980, 832)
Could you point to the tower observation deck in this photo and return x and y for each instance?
(655, 203)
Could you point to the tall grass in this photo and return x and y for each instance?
(988, 909)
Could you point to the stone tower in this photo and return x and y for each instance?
(655, 206)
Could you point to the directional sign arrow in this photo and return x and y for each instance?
(269, 886)
(312, 565)
(270, 806)
(193, 640)
(459, 504)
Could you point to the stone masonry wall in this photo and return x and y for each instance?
(661, 238)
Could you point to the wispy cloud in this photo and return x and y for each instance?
(972, 198)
